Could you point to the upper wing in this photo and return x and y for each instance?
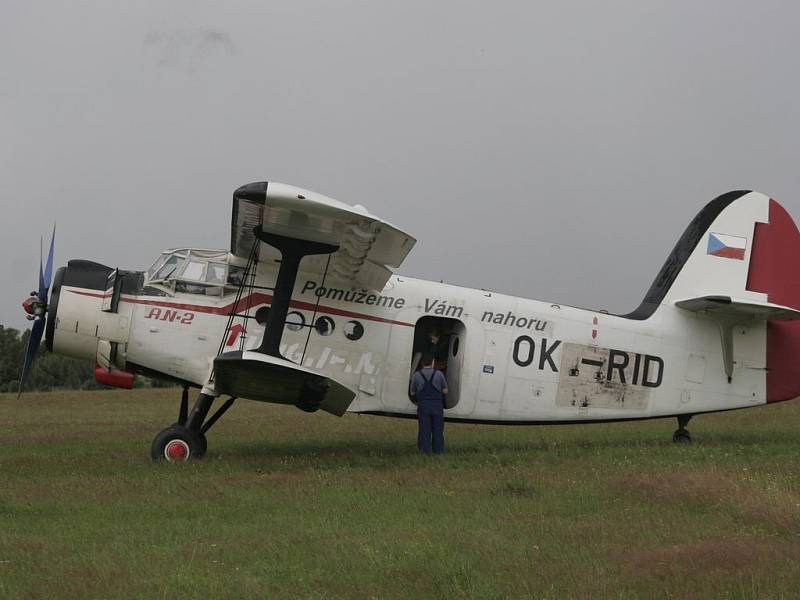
(368, 246)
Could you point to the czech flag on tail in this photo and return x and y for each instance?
(726, 246)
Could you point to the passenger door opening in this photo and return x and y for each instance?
(444, 338)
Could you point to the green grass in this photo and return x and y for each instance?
(289, 505)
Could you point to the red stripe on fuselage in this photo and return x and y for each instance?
(245, 303)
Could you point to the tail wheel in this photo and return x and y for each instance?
(177, 444)
(682, 436)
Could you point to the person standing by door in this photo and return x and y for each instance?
(429, 387)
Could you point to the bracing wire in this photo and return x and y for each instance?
(250, 292)
(237, 300)
(316, 307)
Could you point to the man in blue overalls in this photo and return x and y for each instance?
(429, 387)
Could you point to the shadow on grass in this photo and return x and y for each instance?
(396, 449)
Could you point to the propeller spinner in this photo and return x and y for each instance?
(36, 307)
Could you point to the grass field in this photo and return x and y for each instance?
(289, 505)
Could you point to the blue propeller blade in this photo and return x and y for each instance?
(47, 278)
(41, 273)
(35, 339)
(30, 352)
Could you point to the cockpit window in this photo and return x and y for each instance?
(157, 265)
(216, 274)
(195, 271)
(169, 267)
(235, 276)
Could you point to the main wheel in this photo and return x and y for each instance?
(682, 436)
(177, 444)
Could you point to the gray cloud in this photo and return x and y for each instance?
(187, 49)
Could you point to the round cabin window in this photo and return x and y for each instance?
(324, 326)
(295, 321)
(261, 315)
(353, 330)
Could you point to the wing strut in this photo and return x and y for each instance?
(292, 252)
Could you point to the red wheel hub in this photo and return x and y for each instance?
(176, 451)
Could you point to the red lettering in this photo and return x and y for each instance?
(169, 315)
(236, 330)
(187, 318)
(153, 313)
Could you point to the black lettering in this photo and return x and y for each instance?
(510, 319)
(399, 303)
(386, 301)
(636, 364)
(527, 360)
(546, 354)
(309, 285)
(455, 311)
(349, 295)
(371, 299)
(487, 316)
(360, 298)
(648, 360)
(614, 365)
(430, 304)
(334, 294)
(540, 325)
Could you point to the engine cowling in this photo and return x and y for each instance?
(85, 318)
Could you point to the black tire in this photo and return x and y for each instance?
(682, 436)
(179, 443)
(203, 445)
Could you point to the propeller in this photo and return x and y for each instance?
(36, 307)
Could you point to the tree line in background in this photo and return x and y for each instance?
(49, 371)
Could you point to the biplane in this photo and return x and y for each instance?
(304, 309)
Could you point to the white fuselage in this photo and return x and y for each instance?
(510, 359)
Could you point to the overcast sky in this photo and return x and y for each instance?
(550, 150)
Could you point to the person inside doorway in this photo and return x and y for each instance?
(435, 344)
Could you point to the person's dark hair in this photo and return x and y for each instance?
(427, 359)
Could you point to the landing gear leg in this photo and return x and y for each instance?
(682, 435)
(186, 438)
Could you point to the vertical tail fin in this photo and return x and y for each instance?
(743, 246)
(712, 256)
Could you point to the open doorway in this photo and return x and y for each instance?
(444, 338)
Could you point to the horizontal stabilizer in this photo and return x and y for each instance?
(746, 310)
(257, 376)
